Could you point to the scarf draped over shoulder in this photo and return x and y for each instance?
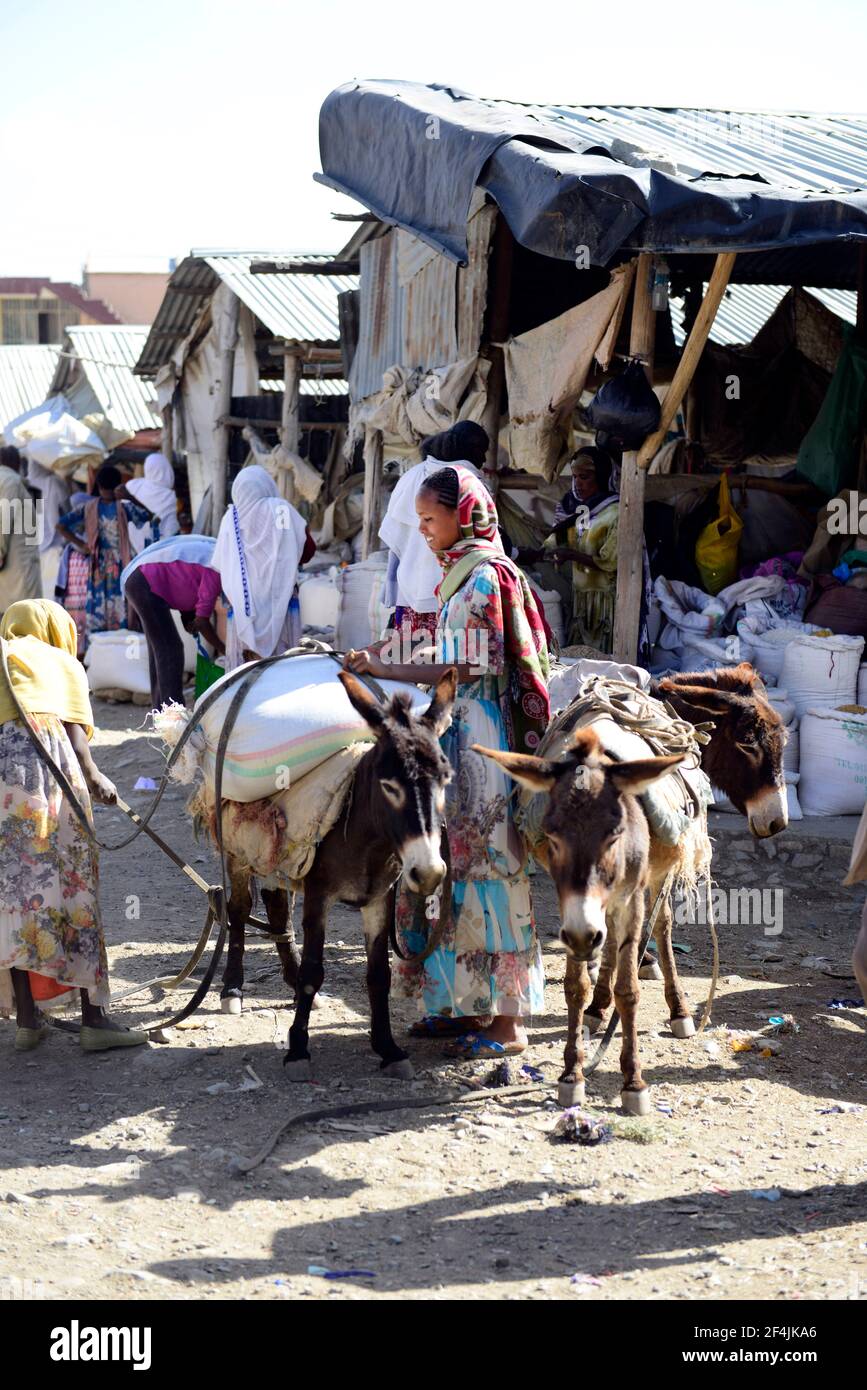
(40, 641)
(524, 638)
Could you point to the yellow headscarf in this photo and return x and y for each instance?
(40, 643)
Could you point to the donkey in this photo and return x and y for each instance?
(393, 822)
(598, 846)
(745, 755)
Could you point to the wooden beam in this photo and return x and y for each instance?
(168, 434)
(630, 525)
(372, 491)
(222, 407)
(496, 331)
(240, 422)
(689, 358)
(289, 415)
(303, 268)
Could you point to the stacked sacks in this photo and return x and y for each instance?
(833, 762)
(821, 672)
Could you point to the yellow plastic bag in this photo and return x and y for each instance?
(716, 550)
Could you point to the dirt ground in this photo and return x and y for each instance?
(119, 1178)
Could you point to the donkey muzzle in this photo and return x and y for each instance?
(423, 866)
(583, 931)
(768, 814)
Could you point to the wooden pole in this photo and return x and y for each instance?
(223, 408)
(692, 350)
(372, 491)
(289, 430)
(496, 330)
(630, 526)
(167, 442)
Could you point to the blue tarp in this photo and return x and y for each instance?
(413, 154)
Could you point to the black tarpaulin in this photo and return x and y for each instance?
(413, 154)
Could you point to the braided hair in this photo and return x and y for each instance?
(444, 486)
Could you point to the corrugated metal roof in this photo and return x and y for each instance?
(296, 308)
(309, 386)
(788, 149)
(25, 377)
(104, 357)
(746, 308)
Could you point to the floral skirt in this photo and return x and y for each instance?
(50, 922)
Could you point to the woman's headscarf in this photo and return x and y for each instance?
(524, 641)
(418, 571)
(156, 491)
(605, 494)
(258, 551)
(40, 644)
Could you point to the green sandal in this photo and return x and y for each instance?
(26, 1039)
(104, 1039)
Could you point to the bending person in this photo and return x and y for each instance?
(50, 922)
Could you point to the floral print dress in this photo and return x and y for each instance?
(49, 911)
(105, 609)
(489, 960)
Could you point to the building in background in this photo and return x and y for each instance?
(132, 288)
(37, 311)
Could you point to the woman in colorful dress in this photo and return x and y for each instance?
(100, 530)
(50, 924)
(486, 978)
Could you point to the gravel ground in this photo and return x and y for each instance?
(119, 1179)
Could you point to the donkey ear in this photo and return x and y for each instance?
(636, 777)
(539, 774)
(439, 711)
(361, 700)
(704, 699)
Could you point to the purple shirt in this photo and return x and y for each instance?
(184, 586)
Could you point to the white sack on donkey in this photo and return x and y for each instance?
(295, 716)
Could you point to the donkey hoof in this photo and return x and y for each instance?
(635, 1102)
(570, 1093)
(230, 1004)
(592, 1022)
(650, 971)
(299, 1069)
(682, 1027)
(401, 1070)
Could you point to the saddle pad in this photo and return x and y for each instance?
(670, 805)
(276, 838)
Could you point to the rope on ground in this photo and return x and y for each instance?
(378, 1107)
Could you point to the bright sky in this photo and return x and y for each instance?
(133, 128)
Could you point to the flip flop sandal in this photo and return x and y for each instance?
(472, 1046)
(106, 1039)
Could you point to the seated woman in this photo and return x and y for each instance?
(50, 922)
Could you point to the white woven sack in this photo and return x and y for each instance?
(821, 672)
(833, 763)
(355, 584)
(118, 661)
(294, 717)
(768, 649)
(705, 653)
(553, 606)
(792, 750)
(779, 700)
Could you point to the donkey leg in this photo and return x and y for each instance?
(395, 1062)
(601, 1001)
(239, 907)
(634, 1097)
(276, 902)
(310, 976)
(679, 1012)
(570, 1087)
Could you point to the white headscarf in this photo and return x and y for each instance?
(418, 572)
(258, 551)
(156, 491)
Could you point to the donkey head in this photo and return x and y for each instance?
(596, 836)
(745, 755)
(408, 775)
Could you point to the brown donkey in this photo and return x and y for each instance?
(597, 844)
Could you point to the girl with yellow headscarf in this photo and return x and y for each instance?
(50, 924)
